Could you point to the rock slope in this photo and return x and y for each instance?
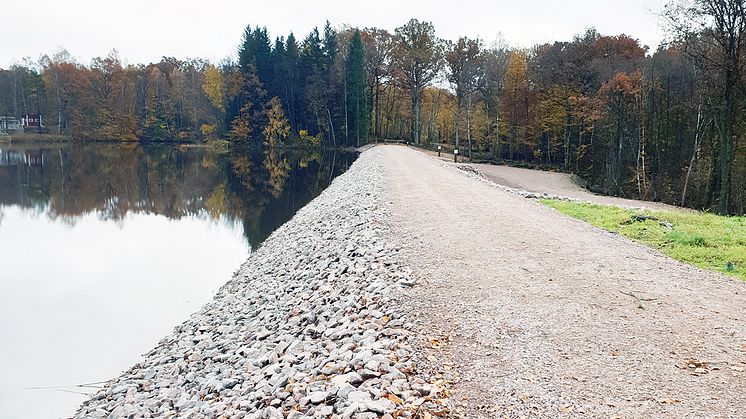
(310, 326)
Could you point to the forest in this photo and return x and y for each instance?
(664, 125)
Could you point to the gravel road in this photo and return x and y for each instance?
(554, 183)
(533, 314)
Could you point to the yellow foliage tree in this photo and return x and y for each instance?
(213, 87)
(516, 100)
(278, 127)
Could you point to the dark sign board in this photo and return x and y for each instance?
(33, 120)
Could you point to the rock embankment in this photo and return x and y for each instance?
(310, 326)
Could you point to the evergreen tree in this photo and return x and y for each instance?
(248, 125)
(313, 78)
(293, 85)
(357, 95)
(263, 55)
(277, 86)
(256, 49)
(333, 95)
(247, 49)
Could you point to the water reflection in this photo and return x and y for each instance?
(261, 187)
(104, 248)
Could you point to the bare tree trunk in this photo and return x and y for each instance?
(331, 127)
(389, 99)
(725, 151)
(638, 176)
(416, 115)
(695, 154)
(377, 128)
(468, 123)
(357, 119)
(580, 144)
(318, 120)
(511, 142)
(15, 93)
(347, 126)
(497, 130)
(59, 103)
(567, 141)
(457, 121)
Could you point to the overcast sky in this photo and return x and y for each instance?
(145, 30)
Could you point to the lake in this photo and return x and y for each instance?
(104, 248)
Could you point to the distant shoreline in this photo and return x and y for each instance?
(35, 138)
(32, 137)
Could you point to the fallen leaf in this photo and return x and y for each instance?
(614, 353)
(394, 399)
(565, 409)
(523, 397)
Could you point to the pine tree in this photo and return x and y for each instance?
(357, 95)
(252, 115)
(294, 86)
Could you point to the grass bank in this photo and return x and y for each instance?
(705, 240)
(32, 137)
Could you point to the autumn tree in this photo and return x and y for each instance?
(462, 58)
(115, 108)
(278, 127)
(214, 87)
(62, 83)
(493, 63)
(378, 49)
(416, 60)
(252, 115)
(516, 101)
(714, 32)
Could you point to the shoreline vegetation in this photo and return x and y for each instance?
(708, 241)
(215, 145)
(29, 137)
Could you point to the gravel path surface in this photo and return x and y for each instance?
(533, 314)
(310, 326)
(557, 184)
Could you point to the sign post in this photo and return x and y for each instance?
(455, 155)
(438, 151)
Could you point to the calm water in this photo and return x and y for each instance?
(105, 248)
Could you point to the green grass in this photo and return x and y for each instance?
(709, 241)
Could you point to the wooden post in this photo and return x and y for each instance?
(455, 155)
(438, 151)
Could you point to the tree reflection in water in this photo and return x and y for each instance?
(261, 187)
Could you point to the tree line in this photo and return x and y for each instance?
(664, 125)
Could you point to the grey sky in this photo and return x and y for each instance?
(145, 30)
